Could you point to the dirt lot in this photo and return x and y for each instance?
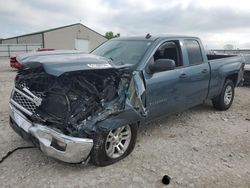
(200, 147)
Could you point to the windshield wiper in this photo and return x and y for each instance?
(116, 62)
(111, 58)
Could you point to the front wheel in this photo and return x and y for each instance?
(114, 145)
(226, 97)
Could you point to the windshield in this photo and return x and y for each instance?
(123, 52)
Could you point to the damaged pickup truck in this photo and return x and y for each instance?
(76, 106)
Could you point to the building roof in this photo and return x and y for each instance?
(52, 29)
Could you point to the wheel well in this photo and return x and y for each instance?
(233, 77)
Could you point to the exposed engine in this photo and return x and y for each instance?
(72, 99)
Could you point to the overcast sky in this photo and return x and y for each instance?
(216, 22)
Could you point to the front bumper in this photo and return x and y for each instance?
(52, 143)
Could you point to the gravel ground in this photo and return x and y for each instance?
(200, 147)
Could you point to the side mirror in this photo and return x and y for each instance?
(162, 65)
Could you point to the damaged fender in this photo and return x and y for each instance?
(133, 112)
(128, 116)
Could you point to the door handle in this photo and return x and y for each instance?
(204, 71)
(183, 75)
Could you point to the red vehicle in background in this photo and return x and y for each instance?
(15, 64)
(44, 49)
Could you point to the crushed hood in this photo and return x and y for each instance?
(58, 62)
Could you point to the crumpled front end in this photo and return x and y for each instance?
(62, 113)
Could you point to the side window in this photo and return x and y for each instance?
(169, 50)
(194, 52)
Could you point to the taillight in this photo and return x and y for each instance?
(18, 65)
(13, 59)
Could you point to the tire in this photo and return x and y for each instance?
(226, 97)
(101, 154)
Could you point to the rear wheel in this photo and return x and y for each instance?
(226, 97)
(114, 145)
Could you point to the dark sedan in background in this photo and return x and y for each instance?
(247, 70)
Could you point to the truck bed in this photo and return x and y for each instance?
(221, 66)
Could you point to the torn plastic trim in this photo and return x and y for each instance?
(137, 93)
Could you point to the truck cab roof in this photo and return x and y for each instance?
(155, 37)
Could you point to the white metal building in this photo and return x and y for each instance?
(76, 36)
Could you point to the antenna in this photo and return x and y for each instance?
(148, 36)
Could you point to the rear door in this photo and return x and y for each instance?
(195, 73)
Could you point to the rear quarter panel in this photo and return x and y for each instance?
(220, 70)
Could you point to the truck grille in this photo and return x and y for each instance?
(24, 102)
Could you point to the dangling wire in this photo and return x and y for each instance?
(12, 151)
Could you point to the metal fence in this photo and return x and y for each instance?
(6, 50)
(236, 51)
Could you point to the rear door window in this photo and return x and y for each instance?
(193, 51)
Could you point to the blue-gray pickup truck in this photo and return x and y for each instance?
(78, 107)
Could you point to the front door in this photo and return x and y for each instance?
(164, 94)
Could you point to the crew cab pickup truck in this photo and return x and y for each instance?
(78, 106)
